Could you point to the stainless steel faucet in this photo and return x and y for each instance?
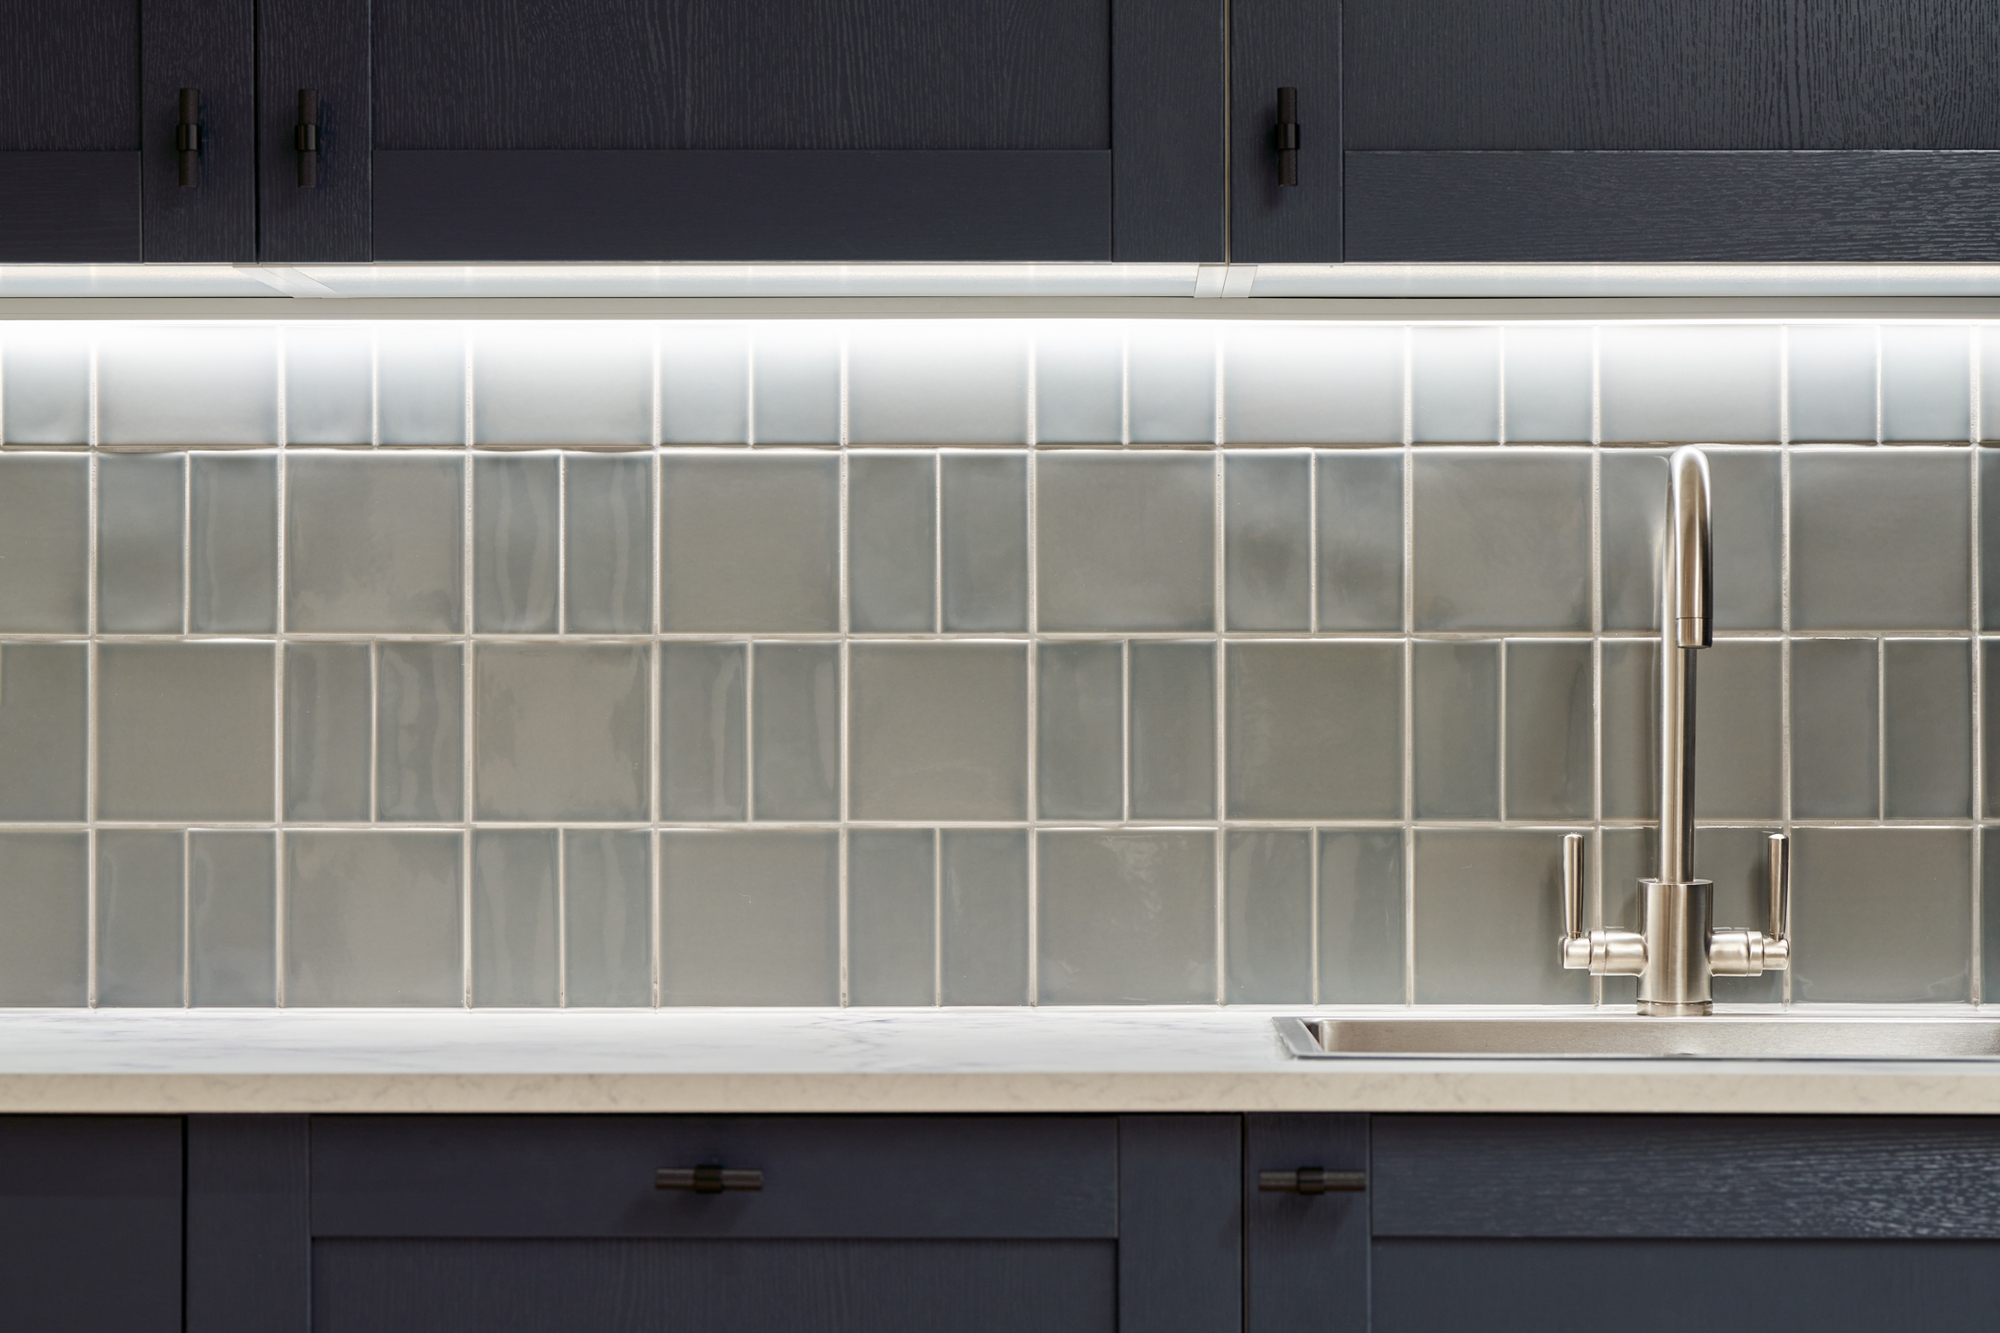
(1675, 951)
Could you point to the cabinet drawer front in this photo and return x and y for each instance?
(1713, 1177)
(931, 1177)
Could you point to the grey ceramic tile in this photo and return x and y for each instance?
(139, 919)
(1926, 383)
(1835, 771)
(1170, 383)
(561, 731)
(1126, 541)
(1080, 750)
(1881, 914)
(608, 904)
(45, 900)
(891, 529)
(420, 382)
(914, 382)
(44, 543)
(1173, 731)
(891, 917)
(704, 383)
(184, 731)
(232, 919)
(1457, 730)
(1880, 540)
(514, 917)
(1989, 895)
(515, 535)
(703, 731)
(1267, 541)
(1549, 376)
(187, 384)
(1989, 677)
(1361, 540)
(1305, 383)
(233, 544)
(983, 539)
(45, 384)
(328, 708)
(1989, 527)
(749, 918)
(1127, 917)
(1832, 382)
(373, 543)
(1488, 908)
(1502, 541)
(141, 499)
(939, 731)
(983, 893)
(608, 567)
(749, 544)
(372, 919)
(1361, 916)
(795, 379)
(1746, 510)
(1927, 729)
(42, 727)
(1080, 382)
(798, 730)
(563, 383)
(1738, 731)
(1686, 382)
(1631, 728)
(329, 384)
(420, 744)
(1268, 921)
(1548, 730)
(1315, 731)
(1632, 512)
(1454, 384)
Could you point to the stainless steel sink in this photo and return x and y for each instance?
(1623, 1036)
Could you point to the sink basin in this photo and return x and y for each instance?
(1623, 1036)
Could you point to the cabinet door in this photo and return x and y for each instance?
(207, 216)
(1306, 1254)
(1278, 44)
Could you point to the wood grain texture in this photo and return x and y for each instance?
(879, 74)
(69, 208)
(1672, 74)
(1664, 1177)
(1284, 44)
(1170, 187)
(1180, 1230)
(1673, 207)
(249, 1248)
(1305, 1256)
(69, 75)
(753, 205)
(208, 46)
(322, 45)
(1422, 1286)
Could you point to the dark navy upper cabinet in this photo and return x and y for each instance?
(1278, 216)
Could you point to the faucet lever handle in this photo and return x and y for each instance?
(1781, 888)
(1572, 886)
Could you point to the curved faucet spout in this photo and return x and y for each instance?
(1687, 616)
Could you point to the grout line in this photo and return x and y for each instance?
(1878, 384)
(1034, 656)
(562, 918)
(654, 949)
(1125, 731)
(1125, 388)
(1976, 976)
(750, 391)
(1500, 728)
(655, 651)
(93, 679)
(187, 919)
(281, 652)
(750, 731)
(374, 732)
(937, 917)
(187, 543)
(1312, 542)
(374, 387)
(468, 706)
(1881, 728)
(1597, 385)
(659, 401)
(562, 544)
(1596, 905)
(1220, 704)
(1786, 824)
(1409, 716)
(937, 542)
(1312, 910)
(844, 611)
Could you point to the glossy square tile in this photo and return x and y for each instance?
(1747, 537)
(1170, 383)
(1880, 540)
(1688, 382)
(1361, 916)
(43, 716)
(1173, 730)
(983, 893)
(45, 900)
(1926, 383)
(891, 917)
(1314, 383)
(1502, 541)
(1457, 730)
(984, 541)
(749, 918)
(232, 919)
(328, 707)
(373, 543)
(1881, 915)
(608, 904)
(891, 536)
(797, 742)
(44, 543)
(233, 544)
(1488, 909)
(1126, 541)
(1738, 730)
(563, 383)
(139, 919)
(184, 731)
(1989, 679)
(45, 384)
(1455, 384)
(372, 919)
(1833, 379)
(926, 382)
(1080, 382)
(420, 379)
(704, 734)
(561, 731)
(187, 384)
(1268, 920)
(1127, 917)
(1548, 759)
(939, 731)
(516, 532)
(608, 527)
(1315, 731)
(1080, 749)
(1989, 894)
(704, 383)
(750, 543)
(1361, 540)
(795, 378)
(1927, 729)
(1549, 376)
(514, 917)
(1632, 510)
(329, 384)
(420, 738)
(141, 499)
(1988, 463)
(1267, 540)
(1835, 765)
(1631, 722)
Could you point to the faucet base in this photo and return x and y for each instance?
(1667, 1009)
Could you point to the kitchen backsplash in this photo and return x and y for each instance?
(898, 662)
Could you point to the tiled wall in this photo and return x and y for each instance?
(895, 662)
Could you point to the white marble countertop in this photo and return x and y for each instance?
(763, 1060)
